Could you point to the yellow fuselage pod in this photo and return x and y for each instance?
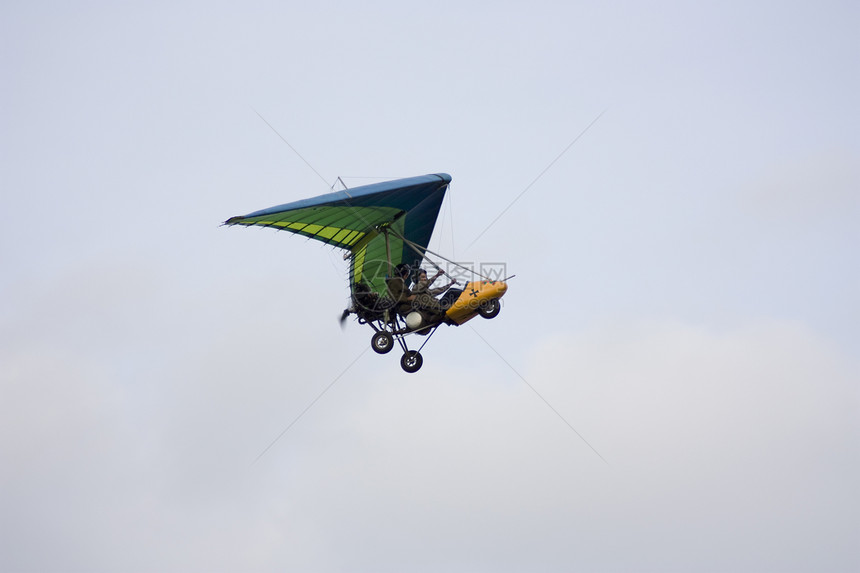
(474, 293)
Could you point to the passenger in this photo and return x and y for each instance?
(425, 297)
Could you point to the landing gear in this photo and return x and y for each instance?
(411, 361)
(393, 332)
(490, 308)
(382, 343)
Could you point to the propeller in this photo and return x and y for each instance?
(343, 318)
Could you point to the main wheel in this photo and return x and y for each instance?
(490, 308)
(382, 342)
(411, 361)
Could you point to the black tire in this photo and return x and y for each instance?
(411, 361)
(490, 308)
(382, 342)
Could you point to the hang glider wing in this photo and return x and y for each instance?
(356, 219)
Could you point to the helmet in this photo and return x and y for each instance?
(403, 269)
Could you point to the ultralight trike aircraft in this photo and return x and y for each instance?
(385, 229)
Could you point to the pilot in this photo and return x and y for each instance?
(399, 291)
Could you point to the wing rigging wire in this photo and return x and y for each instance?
(449, 216)
(309, 406)
(535, 180)
(294, 149)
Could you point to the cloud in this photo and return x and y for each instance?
(727, 450)
(737, 445)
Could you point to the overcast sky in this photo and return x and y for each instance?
(672, 383)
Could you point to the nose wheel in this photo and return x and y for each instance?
(411, 361)
(490, 308)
